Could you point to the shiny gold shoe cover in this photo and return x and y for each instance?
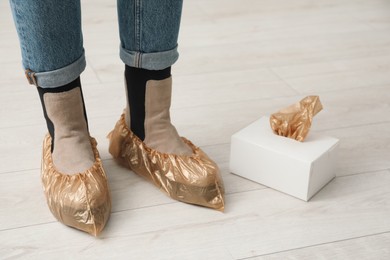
(192, 179)
(81, 200)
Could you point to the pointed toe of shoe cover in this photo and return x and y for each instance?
(192, 179)
(81, 200)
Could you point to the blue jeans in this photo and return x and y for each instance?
(51, 39)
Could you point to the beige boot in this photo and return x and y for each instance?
(173, 164)
(74, 181)
(160, 134)
(72, 151)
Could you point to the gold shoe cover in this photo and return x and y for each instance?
(81, 200)
(192, 179)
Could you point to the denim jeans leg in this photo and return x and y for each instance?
(149, 32)
(50, 39)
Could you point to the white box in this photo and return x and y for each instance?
(300, 169)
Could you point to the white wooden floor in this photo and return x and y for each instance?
(239, 60)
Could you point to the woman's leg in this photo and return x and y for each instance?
(149, 32)
(145, 137)
(53, 57)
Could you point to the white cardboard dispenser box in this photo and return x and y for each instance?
(299, 169)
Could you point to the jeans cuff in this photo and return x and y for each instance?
(59, 77)
(149, 61)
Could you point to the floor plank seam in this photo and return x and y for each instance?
(357, 57)
(20, 171)
(90, 64)
(145, 207)
(22, 126)
(330, 73)
(284, 81)
(246, 191)
(177, 227)
(179, 202)
(361, 173)
(315, 245)
(349, 89)
(112, 213)
(353, 126)
(27, 226)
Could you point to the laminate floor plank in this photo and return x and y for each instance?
(367, 247)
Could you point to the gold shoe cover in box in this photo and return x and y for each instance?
(295, 121)
(192, 179)
(81, 200)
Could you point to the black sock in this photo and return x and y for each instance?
(136, 87)
(50, 126)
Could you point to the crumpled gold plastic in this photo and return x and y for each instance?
(82, 200)
(295, 121)
(192, 179)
